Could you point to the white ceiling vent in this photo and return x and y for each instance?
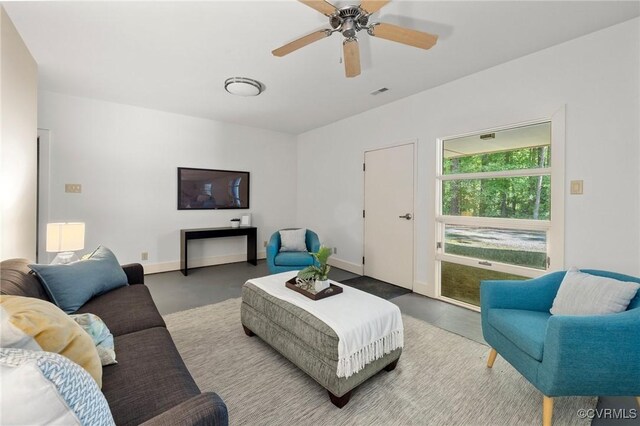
(380, 90)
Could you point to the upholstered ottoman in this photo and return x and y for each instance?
(305, 340)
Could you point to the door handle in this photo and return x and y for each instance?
(406, 216)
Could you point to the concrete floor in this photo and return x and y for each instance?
(173, 292)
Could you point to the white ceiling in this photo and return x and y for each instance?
(175, 56)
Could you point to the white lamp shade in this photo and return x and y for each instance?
(65, 237)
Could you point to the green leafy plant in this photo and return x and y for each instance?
(320, 272)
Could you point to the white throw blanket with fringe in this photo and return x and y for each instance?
(367, 326)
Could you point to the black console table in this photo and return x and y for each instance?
(196, 234)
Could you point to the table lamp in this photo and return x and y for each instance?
(64, 239)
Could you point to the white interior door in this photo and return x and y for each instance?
(388, 214)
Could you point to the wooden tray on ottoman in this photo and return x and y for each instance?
(328, 292)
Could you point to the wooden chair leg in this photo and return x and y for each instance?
(247, 331)
(547, 410)
(492, 357)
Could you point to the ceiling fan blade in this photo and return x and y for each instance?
(351, 58)
(404, 35)
(321, 6)
(301, 42)
(372, 6)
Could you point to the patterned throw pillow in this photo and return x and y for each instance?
(293, 240)
(101, 336)
(47, 388)
(30, 323)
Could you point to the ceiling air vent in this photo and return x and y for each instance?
(488, 136)
(380, 90)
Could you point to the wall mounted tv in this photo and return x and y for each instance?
(212, 189)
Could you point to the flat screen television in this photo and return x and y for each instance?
(212, 189)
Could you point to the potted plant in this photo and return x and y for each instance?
(320, 272)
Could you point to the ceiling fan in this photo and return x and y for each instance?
(348, 21)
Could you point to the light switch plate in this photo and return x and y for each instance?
(576, 187)
(75, 188)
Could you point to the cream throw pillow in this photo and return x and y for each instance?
(293, 240)
(586, 294)
(35, 324)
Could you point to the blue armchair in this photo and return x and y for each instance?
(562, 355)
(291, 260)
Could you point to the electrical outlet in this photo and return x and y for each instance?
(144, 256)
(335, 250)
(264, 244)
(75, 188)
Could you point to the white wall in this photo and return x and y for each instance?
(596, 76)
(126, 160)
(18, 148)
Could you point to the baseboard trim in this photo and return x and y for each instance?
(156, 268)
(347, 266)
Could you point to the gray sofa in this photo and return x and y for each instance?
(150, 384)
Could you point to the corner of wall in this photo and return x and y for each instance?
(18, 147)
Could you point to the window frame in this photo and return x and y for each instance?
(554, 227)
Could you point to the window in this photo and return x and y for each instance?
(495, 215)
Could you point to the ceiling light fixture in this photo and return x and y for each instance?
(242, 86)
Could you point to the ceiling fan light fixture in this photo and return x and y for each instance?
(348, 21)
(242, 86)
(349, 28)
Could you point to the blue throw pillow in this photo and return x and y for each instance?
(100, 334)
(72, 285)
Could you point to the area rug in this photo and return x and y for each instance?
(441, 379)
(376, 287)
